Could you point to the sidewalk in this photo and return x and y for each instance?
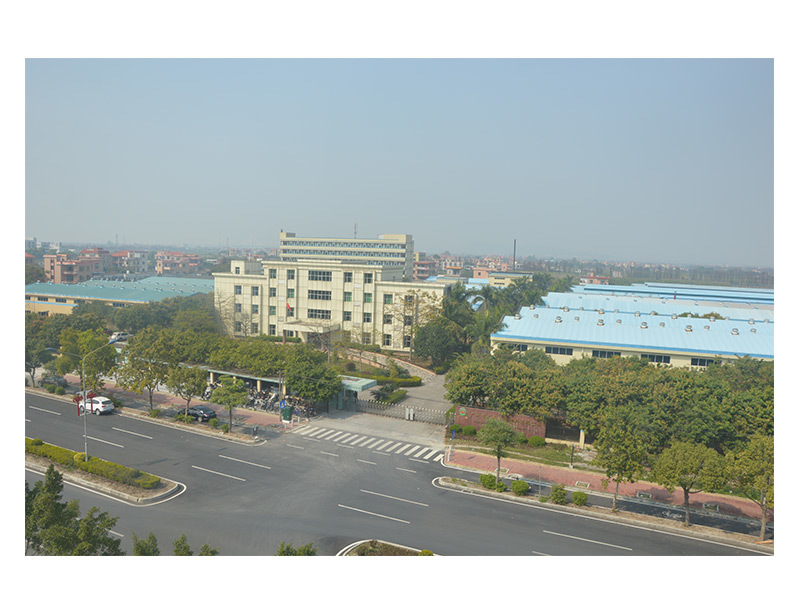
(591, 482)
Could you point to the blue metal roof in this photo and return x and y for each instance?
(581, 328)
(150, 289)
(684, 292)
(662, 306)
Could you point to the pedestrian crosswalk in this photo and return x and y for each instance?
(376, 444)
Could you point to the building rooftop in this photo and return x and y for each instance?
(150, 289)
(578, 327)
(683, 292)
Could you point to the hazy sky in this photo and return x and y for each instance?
(645, 160)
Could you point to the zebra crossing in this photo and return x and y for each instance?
(378, 445)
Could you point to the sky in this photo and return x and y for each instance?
(650, 160)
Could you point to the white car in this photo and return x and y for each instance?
(97, 405)
(120, 336)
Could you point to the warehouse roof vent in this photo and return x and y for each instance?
(734, 331)
(688, 329)
(674, 316)
(643, 325)
(753, 330)
(600, 322)
(712, 318)
(601, 311)
(637, 314)
(558, 319)
(661, 324)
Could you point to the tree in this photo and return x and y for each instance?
(180, 547)
(187, 382)
(145, 363)
(308, 377)
(620, 450)
(751, 471)
(304, 550)
(438, 339)
(54, 528)
(99, 360)
(147, 546)
(497, 434)
(691, 467)
(230, 394)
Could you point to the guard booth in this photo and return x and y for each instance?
(351, 387)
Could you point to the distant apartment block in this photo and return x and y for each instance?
(104, 256)
(59, 268)
(424, 267)
(177, 263)
(388, 249)
(130, 261)
(592, 279)
(450, 265)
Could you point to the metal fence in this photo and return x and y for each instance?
(399, 411)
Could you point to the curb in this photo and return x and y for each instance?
(348, 548)
(752, 546)
(177, 488)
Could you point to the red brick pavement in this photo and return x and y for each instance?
(575, 478)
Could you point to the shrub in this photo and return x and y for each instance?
(455, 427)
(468, 430)
(36, 442)
(155, 413)
(558, 495)
(214, 423)
(425, 553)
(78, 457)
(501, 486)
(520, 439)
(225, 427)
(520, 487)
(50, 387)
(536, 441)
(544, 498)
(59, 390)
(580, 498)
(350, 367)
(183, 418)
(488, 480)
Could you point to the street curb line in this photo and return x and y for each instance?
(346, 549)
(752, 546)
(178, 488)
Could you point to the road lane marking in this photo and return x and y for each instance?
(355, 441)
(419, 460)
(345, 446)
(329, 435)
(421, 452)
(362, 444)
(540, 553)
(381, 453)
(316, 433)
(244, 461)
(407, 470)
(52, 412)
(393, 446)
(414, 449)
(374, 444)
(587, 540)
(395, 498)
(328, 453)
(382, 446)
(306, 431)
(338, 437)
(218, 473)
(439, 457)
(132, 433)
(373, 514)
(431, 453)
(298, 447)
(401, 449)
(105, 442)
(369, 462)
(349, 437)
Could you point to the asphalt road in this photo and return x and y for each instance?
(246, 500)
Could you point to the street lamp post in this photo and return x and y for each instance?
(83, 391)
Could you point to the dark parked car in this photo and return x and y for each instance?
(201, 413)
(53, 379)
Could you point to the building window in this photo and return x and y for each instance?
(387, 319)
(348, 296)
(408, 320)
(290, 293)
(273, 273)
(290, 274)
(703, 362)
(289, 311)
(254, 290)
(316, 313)
(236, 270)
(62, 300)
(348, 277)
(319, 276)
(556, 350)
(367, 317)
(519, 347)
(367, 277)
(273, 292)
(406, 341)
(657, 358)
(237, 308)
(271, 330)
(387, 339)
(367, 298)
(254, 328)
(347, 315)
(319, 294)
(366, 338)
(272, 310)
(237, 327)
(387, 298)
(604, 354)
(237, 289)
(254, 309)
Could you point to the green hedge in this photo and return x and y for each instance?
(96, 466)
(400, 381)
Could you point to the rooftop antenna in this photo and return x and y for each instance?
(355, 230)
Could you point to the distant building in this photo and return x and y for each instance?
(424, 267)
(28, 259)
(106, 261)
(177, 263)
(593, 279)
(130, 261)
(388, 249)
(58, 268)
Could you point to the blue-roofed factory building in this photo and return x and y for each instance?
(52, 298)
(643, 321)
